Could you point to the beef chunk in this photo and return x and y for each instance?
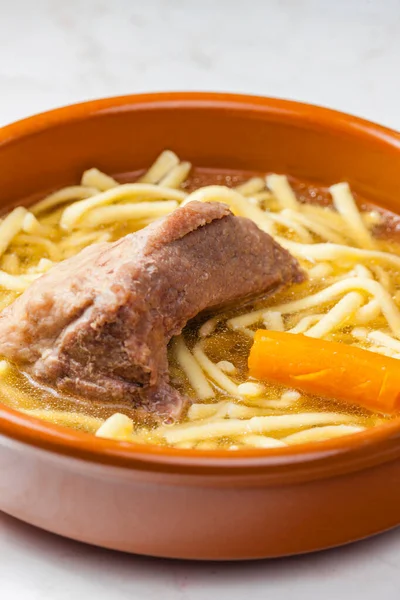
(98, 324)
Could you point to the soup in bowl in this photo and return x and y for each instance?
(312, 355)
(205, 335)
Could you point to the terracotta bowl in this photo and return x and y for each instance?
(183, 503)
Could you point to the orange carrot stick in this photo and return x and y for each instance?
(328, 369)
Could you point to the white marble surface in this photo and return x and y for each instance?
(344, 54)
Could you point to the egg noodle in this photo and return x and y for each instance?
(352, 296)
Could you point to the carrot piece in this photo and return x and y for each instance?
(330, 369)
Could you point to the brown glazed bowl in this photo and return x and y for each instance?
(185, 503)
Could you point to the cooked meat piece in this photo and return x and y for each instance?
(98, 324)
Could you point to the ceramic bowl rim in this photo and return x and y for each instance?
(302, 461)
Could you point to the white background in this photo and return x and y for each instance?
(342, 54)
